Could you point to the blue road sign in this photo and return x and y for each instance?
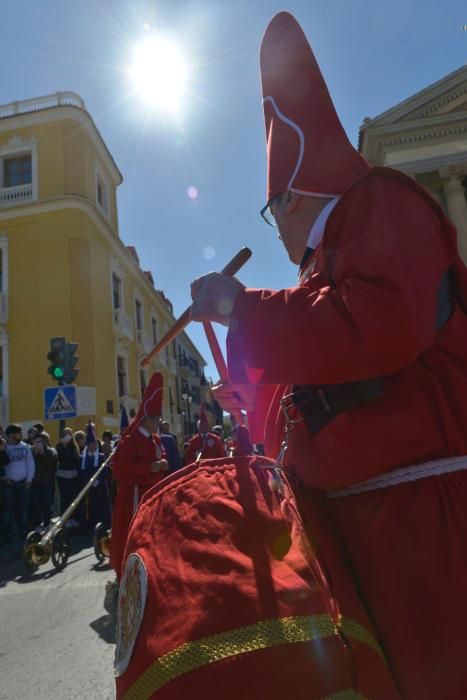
(59, 402)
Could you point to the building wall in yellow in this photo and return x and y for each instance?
(60, 249)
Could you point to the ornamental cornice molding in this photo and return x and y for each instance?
(424, 136)
(424, 102)
(441, 103)
(66, 112)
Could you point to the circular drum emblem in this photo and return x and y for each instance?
(210, 442)
(131, 603)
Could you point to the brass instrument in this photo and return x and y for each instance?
(54, 544)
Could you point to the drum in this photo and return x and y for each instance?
(223, 596)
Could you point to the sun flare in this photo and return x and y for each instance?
(159, 73)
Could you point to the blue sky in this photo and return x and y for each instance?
(372, 55)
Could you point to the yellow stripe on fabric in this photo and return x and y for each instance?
(358, 633)
(262, 635)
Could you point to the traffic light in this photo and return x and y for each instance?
(63, 359)
(71, 359)
(56, 357)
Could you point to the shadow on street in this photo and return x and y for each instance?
(16, 569)
(105, 626)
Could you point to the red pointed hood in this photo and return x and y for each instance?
(151, 404)
(203, 417)
(307, 148)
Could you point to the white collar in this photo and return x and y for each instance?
(143, 431)
(317, 230)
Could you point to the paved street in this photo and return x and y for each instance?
(57, 631)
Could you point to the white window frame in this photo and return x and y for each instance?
(124, 355)
(138, 303)
(154, 318)
(16, 148)
(145, 373)
(120, 295)
(104, 182)
(139, 332)
(116, 270)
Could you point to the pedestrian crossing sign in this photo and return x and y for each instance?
(59, 402)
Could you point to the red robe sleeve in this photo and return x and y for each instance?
(195, 446)
(134, 456)
(384, 256)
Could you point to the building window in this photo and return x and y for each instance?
(172, 403)
(142, 381)
(116, 291)
(17, 171)
(154, 330)
(122, 376)
(138, 315)
(174, 349)
(196, 394)
(102, 194)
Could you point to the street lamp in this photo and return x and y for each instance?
(188, 398)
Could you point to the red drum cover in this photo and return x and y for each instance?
(223, 597)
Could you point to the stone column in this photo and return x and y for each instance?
(457, 206)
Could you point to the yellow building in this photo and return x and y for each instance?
(425, 136)
(64, 271)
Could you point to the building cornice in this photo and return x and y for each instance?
(426, 101)
(65, 113)
(443, 102)
(423, 135)
(437, 122)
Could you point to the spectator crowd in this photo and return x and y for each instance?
(35, 476)
(38, 480)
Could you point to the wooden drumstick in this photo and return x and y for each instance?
(216, 351)
(219, 361)
(230, 269)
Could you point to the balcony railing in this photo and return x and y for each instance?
(144, 341)
(122, 323)
(15, 195)
(58, 99)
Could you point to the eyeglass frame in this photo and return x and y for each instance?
(266, 207)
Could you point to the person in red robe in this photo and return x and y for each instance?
(139, 463)
(227, 592)
(241, 441)
(205, 444)
(365, 363)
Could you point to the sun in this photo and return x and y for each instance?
(159, 73)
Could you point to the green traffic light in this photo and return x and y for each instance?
(58, 372)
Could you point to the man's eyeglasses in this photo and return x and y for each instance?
(267, 214)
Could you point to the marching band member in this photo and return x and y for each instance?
(368, 354)
(138, 464)
(241, 441)
(205, 444)
(96, 503)
(227, 591)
